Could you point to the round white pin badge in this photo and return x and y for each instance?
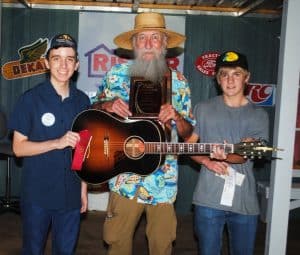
(48, 119)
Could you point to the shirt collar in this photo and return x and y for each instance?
(49, 89)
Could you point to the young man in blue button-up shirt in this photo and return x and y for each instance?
(51, 194)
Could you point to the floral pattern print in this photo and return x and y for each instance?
(161, 185)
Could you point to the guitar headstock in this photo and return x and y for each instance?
(254, 149)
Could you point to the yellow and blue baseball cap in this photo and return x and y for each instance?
(231, 59)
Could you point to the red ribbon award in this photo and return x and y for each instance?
(81, 149)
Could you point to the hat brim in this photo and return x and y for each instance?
(124, 40)
(232, 65)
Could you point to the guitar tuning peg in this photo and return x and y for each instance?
(262, 142)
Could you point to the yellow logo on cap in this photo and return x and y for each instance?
(231, 56)
(66, 37)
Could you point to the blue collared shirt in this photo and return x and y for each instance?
(41, 115)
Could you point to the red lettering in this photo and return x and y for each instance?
(258, 93)
(16, 70)
(30, 67)
(39, 66)
(23, 68)
(100, 62)
(265, 91)
(254, 93)
(113, 61)
(122, 60)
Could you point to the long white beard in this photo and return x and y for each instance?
(153, 70)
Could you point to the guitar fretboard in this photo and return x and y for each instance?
(185, 148)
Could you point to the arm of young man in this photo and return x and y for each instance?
(218, 161)
(23, 147)
(84, 197)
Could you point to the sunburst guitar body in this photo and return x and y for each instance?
(117, 145)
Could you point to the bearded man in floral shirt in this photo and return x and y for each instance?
(131, 195)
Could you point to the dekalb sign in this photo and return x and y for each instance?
(31, 61)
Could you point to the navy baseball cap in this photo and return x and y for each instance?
(62, 40)
(231, 59)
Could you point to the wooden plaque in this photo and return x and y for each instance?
(147, 97)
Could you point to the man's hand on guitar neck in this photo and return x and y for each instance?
(168, 113)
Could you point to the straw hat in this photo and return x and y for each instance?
(148, 21)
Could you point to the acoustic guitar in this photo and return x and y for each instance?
(118, 146)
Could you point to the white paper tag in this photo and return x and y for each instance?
(239, 178)
(229, 188)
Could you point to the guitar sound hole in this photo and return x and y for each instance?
(134, 148)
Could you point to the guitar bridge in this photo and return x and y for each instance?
(106, 146)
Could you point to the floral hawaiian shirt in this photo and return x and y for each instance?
(161, 185)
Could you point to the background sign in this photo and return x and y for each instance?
(206, 63)
(261, 94)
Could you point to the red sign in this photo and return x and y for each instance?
(261, 94)
(206, 63)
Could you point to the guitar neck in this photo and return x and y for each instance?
(185, 148)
